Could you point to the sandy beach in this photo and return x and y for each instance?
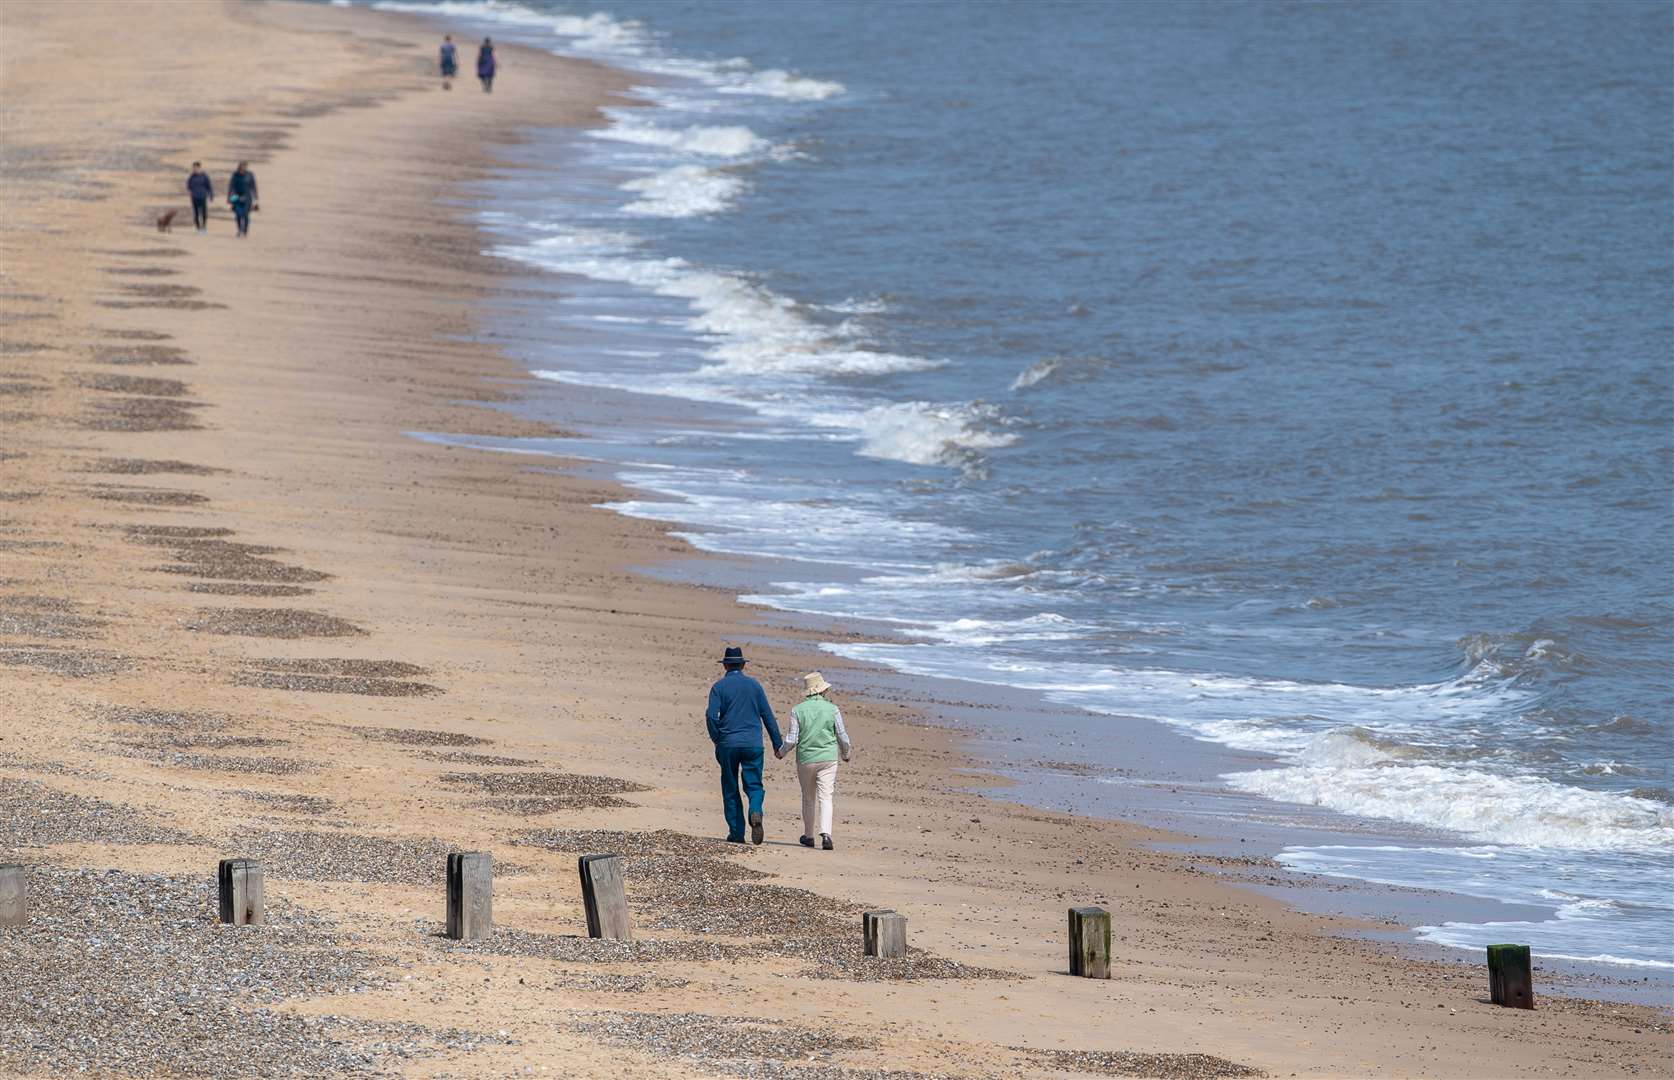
(245, 612)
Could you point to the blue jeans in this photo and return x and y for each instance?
(241, 213)
(739, 763)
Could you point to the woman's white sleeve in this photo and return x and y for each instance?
(842, 733)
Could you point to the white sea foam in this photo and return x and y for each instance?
(731, 141)
(852, 306)
(1035, 372)
(752, 329)
(1527, 811)
(920, 433)
(682, 192)
(1624, 928)
(1326, 761)
(728, 509)
(975, 633)
(782, 84)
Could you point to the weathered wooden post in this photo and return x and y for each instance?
(1089, 942)
(470, 895)
(14, 896)
(1511, 976)
(884, 933)
(242, 899)
(604, 897)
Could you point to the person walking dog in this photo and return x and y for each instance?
(737, 712)
(818, 736)
(202, 189)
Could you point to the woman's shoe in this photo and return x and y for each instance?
(805, 841)
(825, 842)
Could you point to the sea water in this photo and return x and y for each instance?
(1292, 376)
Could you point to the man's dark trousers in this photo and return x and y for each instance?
(739, 763)
(200, 212)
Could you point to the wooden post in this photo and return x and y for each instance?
(470, 895)
(884, 933)
(1511, 976)
(1089, 942)
(604, 897)
(14, 896)
(242, 899)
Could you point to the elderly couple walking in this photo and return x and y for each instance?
(737, 713)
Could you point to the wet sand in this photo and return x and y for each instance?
(244, 612)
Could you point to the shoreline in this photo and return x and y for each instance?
(504, 587)
(1138, 767)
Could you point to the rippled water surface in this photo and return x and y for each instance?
(1295, 376)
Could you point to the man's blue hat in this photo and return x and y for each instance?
(734, 655)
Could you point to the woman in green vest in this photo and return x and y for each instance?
(817, 734)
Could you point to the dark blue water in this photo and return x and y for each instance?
(1293, 375)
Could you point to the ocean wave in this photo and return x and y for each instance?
(776, 83)
(945, 573)
(1047, 626)
(1071, 368)
(1519, 654)
(1355, 750)
(727, 511)
(874, 306)
(682, 192)
(1035, 372)
(1526, 811)
(750, 328)
(920, 433)
(728, 141)
(1621, 929)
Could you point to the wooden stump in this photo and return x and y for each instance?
(470, 895)
(1511, 976)
(1089, 942)
(884, 933)
(14, 896)
(242, 899)
(604, 897)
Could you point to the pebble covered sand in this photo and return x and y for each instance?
(120, 973)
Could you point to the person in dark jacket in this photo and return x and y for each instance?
(242, 196)
(450, 61)
(202, 189)
(737, 712)
(485, 65)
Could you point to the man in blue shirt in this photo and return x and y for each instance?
(202, 189)
(737, 712)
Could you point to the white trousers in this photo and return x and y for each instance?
(819, 781)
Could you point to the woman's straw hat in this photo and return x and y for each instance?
(815, 683)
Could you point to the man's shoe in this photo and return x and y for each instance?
(805, 841)
(735, 839)
(755, 829)
(825, 842)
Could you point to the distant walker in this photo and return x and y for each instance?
(450, 61)
(242, 196)
(486, 65)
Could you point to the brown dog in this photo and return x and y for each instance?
(166, 222)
